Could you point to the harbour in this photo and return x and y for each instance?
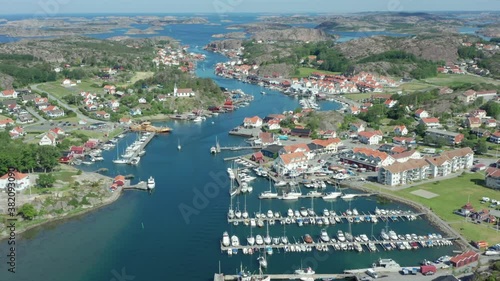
(182, 179)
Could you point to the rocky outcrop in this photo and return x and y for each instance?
(282, 69)
(430, 47)
(292, 34)
(231, 35)
(229, 44)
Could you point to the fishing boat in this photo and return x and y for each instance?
(225, 239)
(151, 183)
(235, 241)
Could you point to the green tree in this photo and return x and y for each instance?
(27, 211)
(420, 130)
(481, 147)
(45, 180)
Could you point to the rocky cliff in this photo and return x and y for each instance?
(292, 34)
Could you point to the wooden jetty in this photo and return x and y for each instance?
(139, 186)
(298, 276)
(321, 195)
(142, 146)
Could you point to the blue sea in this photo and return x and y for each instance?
(174, 233)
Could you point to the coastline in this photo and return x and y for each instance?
(107, 201)
(156, 117)
(433, 218)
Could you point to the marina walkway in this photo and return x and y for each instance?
(297, 276)
(142, 146)
(139, 186)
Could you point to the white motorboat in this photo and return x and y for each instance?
(197, 119)
(268, 195)
(213, 150)
(332, 195)
(244, 214)
(348, 196)
(151, 183)
(324, 236)
(363, 237)
(230, 213)
(290, 213)
(384, 235)
(304, 271)
(280, 183)
(179, 147)
(340, 236)
(225, 239)
(284, 240)
(120, 161)
(326, 213)
(290, 196)
(237, 214)
(303, 212)
(267, 240)
(235, 241)
(259, 240)
(270, 214)
(135, 161)
(393, 235)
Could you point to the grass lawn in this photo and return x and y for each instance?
(59, 91)
(458, 79)
(138, 76)
(306, 72)
(454, 193)
(415, 86)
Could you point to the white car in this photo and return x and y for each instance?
(486, 199)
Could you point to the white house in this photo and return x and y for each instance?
(142, 100)
(48, 139)
(252, 122)
(431, 122)
(371, 138)
(53, 111)
(135, 111)
(21, 180)
(421, 113)
(291, 163)
(273, 124)
(5, 122)
(12, 94)
(400, 130)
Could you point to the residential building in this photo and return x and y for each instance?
(450, 138)
(403, 140)
(22, 181)
(468, 96)
(53, 111)
(370, 137)
(405, 156)
(300, 132)
(125, 121)
(431, 122)
(135, 111)
(492, 177)
(357, 127)
(265, 139)
(400, 130)
(490, 123)
(328, 134)
(17, 132)
(403, 173)
(299, 147)
(390, 103)
(102, 114)
(328, 145)
(422, 113)
(5, 122)
(273, 124)
(252, 122)
(368, 158)
(480, 113)
(10, 94)
(450, 161)
(289, 163)
(495, 137)
(480, 132)
(473, 122)
(109, 89)
(49, 138)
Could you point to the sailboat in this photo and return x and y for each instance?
(219, 276)
(215, 149)
(268, 194)
(251, 239)
(267, 239)
(262, 261)
(245, 213)
(179, 144)
(118, 160)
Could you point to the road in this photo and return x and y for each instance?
(34, 113)
(64, 105)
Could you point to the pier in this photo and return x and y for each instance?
(142, 146)
(298, 276)
(405, 216)
(307, 195)
(139, 186)
(236, 148)
(342, 246)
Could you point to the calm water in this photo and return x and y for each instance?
(147, 236)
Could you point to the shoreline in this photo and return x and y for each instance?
(431, 217)
(107, 201)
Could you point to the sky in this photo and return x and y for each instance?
(58, 7)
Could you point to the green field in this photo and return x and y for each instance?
(451, 80)
(453, 194)
(357, 97)
(138, 76)
(59, 91)
(306, 72)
